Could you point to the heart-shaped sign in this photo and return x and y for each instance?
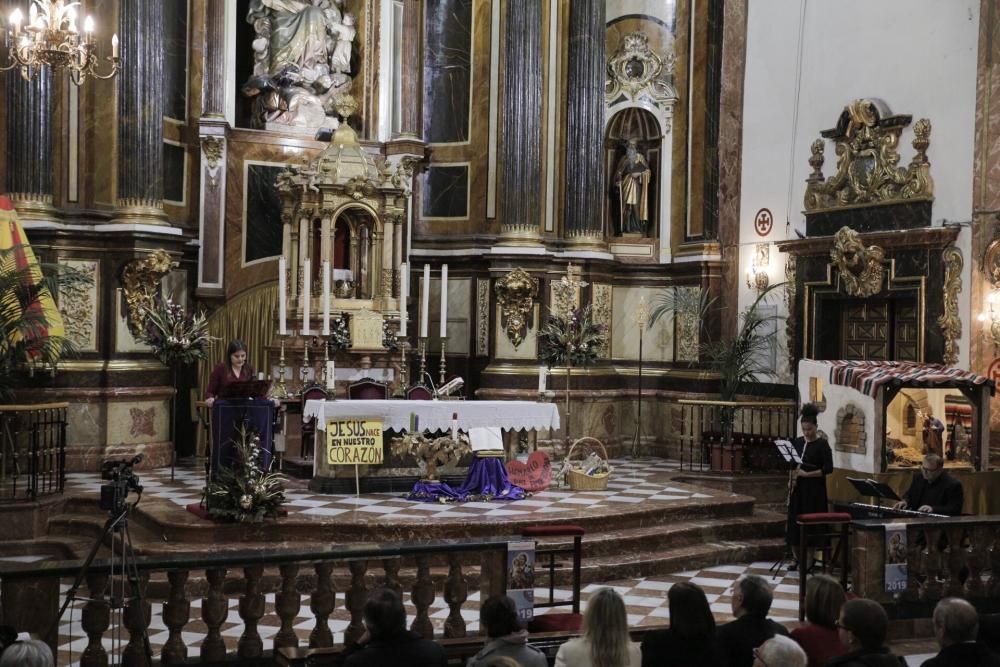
(533, 476)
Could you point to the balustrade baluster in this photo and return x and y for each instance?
(355, 599)
(933, 587)
(251, 611)
(976, 558)
(95, 619)
(994, 552)
(214, 611)
(322, 603)
(287, 603)
(423, 596)
(136, 619)
(391, 567)
(456, 592)
(955, 559)
(176, 612)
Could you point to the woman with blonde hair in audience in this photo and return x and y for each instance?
(605, 641)
(819, 637)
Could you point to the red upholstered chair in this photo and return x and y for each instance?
(419, 392)
(367, 389)
(815, 531)
(312, 393)
(562, 621)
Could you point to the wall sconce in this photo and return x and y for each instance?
(757, 277)
(991, 317)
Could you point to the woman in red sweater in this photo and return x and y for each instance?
(819, 637)
(234, 369)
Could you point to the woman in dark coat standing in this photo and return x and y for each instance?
(809, 478)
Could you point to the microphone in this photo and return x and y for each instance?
(137, 459)
(431, 380)
(450, 387)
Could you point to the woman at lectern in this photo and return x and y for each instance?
(235, 369)
(808, 480)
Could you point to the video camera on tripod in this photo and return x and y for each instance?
(122, 479)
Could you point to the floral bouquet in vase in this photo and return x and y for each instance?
(176, 336)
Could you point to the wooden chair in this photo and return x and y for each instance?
(419, 392)
(368, 389)
(562, 621)
(312, 393)
(815, 531)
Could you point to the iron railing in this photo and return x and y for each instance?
(734, 436)
(32, 450)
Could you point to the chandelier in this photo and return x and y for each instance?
(50, 37)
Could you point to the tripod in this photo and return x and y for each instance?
(787, 451)
(126, 595)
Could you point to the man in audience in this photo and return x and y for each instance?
(863, 625)
(737, 639)
(387, 642)
(27, 653)
(933, 490)
(498, 617)
(955, 626)
(779, 650)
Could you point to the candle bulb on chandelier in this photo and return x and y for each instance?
(15, 19)
(444, 301)
(114, 46)
(88, 28)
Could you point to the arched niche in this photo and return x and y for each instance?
(638, 125)
(357, 238)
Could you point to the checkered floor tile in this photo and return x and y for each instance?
(633, 482)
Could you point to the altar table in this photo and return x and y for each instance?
(436, 415)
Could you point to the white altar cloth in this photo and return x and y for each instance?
(436, 415)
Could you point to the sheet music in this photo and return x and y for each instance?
(787, 450)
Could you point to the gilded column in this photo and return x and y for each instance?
(29, 142)
(387, 265)
(585, 122)
(140, 113)
(521, 129)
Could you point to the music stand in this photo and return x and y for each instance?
(245, 389)
(788, 452)
(872, 487)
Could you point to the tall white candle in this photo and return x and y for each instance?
(404, 292)
(444, 301)
(282, 297)
(306, 297)
(425, 301)
(542, 376)
(326, 298)
(331, 371)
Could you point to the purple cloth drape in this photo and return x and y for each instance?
(487, 480)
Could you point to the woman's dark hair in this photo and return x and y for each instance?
(824, 598)
(690, 615)
(234, 347)
(867, 620)
(808, 413)
(385, 615)
(499, 616)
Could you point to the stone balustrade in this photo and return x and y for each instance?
(215, 578)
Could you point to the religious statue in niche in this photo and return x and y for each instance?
(631, 187)
(302, 61)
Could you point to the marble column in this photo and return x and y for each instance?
(29, 142)
(410, 122)
(521, 128)
(585, 121)
(140, 113)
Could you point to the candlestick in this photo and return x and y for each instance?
(423, 358)
(282, 390)
(425, 301)
(444, 302)
(404, 294)
(444, 364)
(403, 386)
(306, 296)
(282, 297)
(304, 371)
(326, 298)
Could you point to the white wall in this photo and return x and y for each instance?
(919, 56)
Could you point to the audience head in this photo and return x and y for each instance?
(605, 626)
(932, 467)
(824, 598)
(27, 653)
(955, 621)
(863, 624)
(779, 651)
(499, 617)
(752, 596)
(690, 615)
(385, 615)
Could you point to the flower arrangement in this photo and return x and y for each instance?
(389, 340)
(245, 492)
(571, 338)
(340, 336)
(175, 335)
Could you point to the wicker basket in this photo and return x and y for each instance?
(581, 481)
